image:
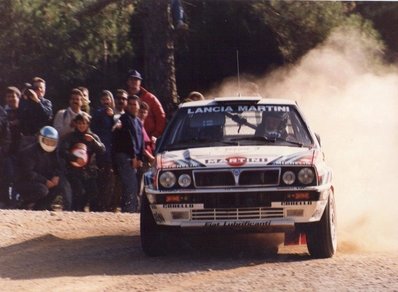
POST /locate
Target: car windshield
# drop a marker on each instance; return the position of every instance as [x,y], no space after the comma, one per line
[240,124]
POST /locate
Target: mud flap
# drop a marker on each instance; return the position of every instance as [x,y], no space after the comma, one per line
[295,238]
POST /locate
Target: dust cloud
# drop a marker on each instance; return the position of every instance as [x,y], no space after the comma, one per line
[350,97]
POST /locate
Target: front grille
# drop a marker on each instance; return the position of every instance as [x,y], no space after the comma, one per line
[237,177]
[214,178]
[259,177]
[237,214]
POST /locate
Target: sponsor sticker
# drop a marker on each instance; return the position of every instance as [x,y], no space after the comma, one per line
[182,206]
[292,163]
[236,161]
[299,203]
[240,108]
[181,163]
[238,224]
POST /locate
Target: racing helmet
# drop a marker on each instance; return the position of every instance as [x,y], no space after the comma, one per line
[48,138]
[273,123]
[79,150]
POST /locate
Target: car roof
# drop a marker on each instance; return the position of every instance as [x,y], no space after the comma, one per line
[259,99]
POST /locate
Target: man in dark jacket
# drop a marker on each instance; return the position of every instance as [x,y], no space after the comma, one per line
[35,111]
[77,149]
[127,149]
[5,140]
[102,125]
[38,172]
[7,188]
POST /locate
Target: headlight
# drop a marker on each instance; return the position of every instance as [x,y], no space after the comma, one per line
[306,176]
[289,177]
[184,180]
[167,179]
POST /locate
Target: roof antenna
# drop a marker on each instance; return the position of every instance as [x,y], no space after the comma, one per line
[237,67]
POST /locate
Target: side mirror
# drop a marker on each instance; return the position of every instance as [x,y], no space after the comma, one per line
[318,138]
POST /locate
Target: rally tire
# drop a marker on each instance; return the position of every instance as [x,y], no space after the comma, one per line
[321,236]
[153,236]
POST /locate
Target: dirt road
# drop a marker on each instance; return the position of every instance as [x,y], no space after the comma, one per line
[65,251]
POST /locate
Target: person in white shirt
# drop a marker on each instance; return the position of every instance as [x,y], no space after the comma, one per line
[64,117]
[120,106]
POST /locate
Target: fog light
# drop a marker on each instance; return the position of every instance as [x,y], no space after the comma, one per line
[180,215]
[306,176]
[299,196]
[289,177]
[173,199]
[295,212]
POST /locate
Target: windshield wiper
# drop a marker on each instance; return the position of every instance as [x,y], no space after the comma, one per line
[254,138]
[196,142]
[289,141]
[267,139]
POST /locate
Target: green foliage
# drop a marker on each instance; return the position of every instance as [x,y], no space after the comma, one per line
[301,25]
[46,38]
[384,15]
[70,43]
[208,53]
[266,34]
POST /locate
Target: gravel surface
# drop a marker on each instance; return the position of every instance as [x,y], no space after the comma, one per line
[68,251]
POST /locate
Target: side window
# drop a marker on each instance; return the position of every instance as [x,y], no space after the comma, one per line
[299,131]
[289,127]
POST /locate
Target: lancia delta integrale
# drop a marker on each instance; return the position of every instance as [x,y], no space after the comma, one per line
[242,164]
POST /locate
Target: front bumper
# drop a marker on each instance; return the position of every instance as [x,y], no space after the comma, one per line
[267,210]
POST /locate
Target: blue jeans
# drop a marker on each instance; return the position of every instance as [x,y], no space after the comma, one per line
[128,178]
[7,175]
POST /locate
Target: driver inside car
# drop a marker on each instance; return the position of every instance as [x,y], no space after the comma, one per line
[273,125]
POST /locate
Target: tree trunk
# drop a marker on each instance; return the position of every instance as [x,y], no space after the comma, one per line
[159,66]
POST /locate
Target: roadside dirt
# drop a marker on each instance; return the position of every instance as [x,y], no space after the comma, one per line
[67,251]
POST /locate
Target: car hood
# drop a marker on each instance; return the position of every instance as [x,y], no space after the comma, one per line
[249,156]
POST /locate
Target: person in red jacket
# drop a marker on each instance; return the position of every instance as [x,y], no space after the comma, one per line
[156,120]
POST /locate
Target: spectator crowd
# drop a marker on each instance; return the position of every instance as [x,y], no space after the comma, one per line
[85,158]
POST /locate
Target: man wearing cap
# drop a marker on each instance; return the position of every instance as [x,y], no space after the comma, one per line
[156,120]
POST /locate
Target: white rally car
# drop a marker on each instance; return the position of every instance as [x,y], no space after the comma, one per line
[243,164]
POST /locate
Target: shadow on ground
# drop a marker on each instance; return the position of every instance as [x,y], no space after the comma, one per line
[49,256]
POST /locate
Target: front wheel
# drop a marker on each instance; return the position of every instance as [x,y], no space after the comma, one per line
[153,236]
[321,236]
